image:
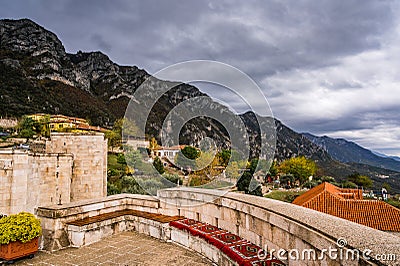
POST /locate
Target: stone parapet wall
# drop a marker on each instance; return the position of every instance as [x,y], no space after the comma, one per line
[89,176]
[28,180]
[279,225]
[265,222]
[54,218]
[68,167]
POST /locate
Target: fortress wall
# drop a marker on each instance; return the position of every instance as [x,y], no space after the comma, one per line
[89,175]
[74,167]
[6,177]
[13,181]
[28,180]
[54,173]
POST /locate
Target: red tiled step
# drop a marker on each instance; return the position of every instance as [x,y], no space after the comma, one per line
[238,249]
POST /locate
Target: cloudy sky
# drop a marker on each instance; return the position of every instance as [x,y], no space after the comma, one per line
[326,67]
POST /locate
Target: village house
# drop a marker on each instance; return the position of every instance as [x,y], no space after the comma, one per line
[168,152]
[66,123]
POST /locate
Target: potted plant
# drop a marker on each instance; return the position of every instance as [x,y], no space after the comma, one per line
[19,234]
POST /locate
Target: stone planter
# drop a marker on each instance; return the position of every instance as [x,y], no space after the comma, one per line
[17,249]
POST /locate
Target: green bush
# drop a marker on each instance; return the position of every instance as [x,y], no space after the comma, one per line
[22,226]
[174,178]
[284,195]
[158,164]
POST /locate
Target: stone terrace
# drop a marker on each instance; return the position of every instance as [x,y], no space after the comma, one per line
[125,249]
[262,221]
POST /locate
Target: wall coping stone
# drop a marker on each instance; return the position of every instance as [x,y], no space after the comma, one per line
[76,208]
[357,236]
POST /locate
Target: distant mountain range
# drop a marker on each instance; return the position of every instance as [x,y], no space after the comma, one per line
[350,152]
[37,75]
[386,156]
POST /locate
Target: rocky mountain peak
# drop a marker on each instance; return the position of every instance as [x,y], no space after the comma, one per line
[26,36]
[37,75]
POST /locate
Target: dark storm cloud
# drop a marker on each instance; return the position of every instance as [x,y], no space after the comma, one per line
[320,63]
[100,42]
[264,37]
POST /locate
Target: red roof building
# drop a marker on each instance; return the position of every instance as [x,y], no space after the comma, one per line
[350,205]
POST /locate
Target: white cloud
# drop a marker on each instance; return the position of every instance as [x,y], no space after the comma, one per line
[354,94]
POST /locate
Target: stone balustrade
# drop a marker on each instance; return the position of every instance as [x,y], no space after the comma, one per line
[54,218]
[279,225]
[268,223]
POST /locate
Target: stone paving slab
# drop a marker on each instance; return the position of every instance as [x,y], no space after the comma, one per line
[124,249]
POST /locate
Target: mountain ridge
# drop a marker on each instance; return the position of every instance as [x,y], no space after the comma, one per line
[350,152]
[38,75]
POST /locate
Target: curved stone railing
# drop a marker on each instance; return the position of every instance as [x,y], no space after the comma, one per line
[281,226]
[54,218]
[271,224]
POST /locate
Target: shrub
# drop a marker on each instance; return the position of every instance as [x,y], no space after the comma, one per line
[174,178]
[121,158]
[19,227]
[158,165]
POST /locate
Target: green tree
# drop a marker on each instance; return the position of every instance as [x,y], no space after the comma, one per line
[190,152]
[133,157]
[153,145]
[186,158]
[257,191]
[112,188]
[243,182]
[236,156]
[273,170]
[121,158]
[224,157]
[348,184]
[208,164]
[253,165]
[157,163]
[326,178]
[249,185]
[129,127]
[232,170]
[174,178]
[114,138]
[386,186]
[42,126]
[26,127]
[360,180]
[130,185]
[287,179]
[300,167]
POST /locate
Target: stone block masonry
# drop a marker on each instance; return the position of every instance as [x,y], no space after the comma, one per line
[267,223]
[73,167]
[89,175]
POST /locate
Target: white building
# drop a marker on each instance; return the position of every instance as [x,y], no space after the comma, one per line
[168,152]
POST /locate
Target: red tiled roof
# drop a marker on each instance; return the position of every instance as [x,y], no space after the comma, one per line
[90,128]
[349,204]
[172,148]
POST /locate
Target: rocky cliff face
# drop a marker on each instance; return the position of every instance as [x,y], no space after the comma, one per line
[34,59]
[37,75]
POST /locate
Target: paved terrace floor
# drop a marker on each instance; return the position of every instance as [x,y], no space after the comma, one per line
[125,249]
